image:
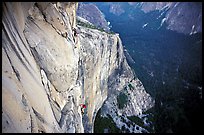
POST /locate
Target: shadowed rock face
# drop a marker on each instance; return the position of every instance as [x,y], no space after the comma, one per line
[47,72]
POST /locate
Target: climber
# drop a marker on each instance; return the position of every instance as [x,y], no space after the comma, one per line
[75,33]
[83,106]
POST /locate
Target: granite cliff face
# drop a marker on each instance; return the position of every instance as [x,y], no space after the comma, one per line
[47,71]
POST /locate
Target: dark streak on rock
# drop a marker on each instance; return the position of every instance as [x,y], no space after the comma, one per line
[24,101]
[39,116]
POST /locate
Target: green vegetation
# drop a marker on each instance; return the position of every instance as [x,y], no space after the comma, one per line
[86,25]
[150,116]
[111,32]
[122,100]
[150,119]
[93,27]
[136,120]
[130,86]
[125,88]
[105,123]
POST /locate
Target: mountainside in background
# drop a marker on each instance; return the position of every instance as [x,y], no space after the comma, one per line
[183,17]
[91,13]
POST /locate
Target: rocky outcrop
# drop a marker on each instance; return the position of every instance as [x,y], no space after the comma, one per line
[138,101]
[48,71]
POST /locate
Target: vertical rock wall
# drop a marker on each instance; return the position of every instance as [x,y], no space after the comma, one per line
[48,72]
